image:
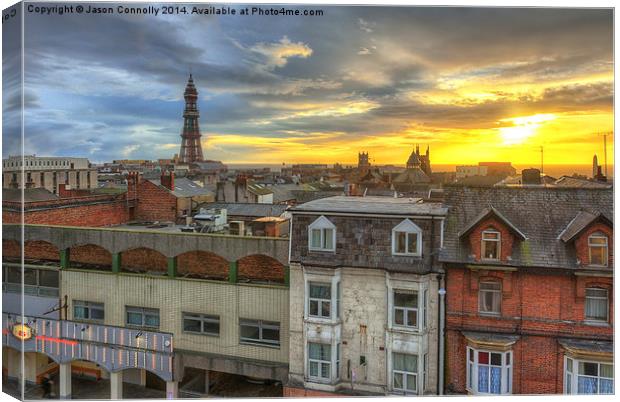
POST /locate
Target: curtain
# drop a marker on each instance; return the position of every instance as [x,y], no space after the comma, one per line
[596,308]
[483,378]
[496,380]
[607,386]
[586,385]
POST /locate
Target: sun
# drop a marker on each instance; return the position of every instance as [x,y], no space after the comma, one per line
[523,127]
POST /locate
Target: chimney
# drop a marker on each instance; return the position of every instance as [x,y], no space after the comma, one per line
[530,176]
[167,180]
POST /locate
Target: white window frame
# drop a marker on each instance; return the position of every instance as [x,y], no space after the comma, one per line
[571,377]
[496,293]
[260,324]
[331,362]
[320,301]
[323,225]
[89,306]
[335,301]
[143,311]
[585,305]
[405,375]
[405,310]
[598,235]
[203,319]
[408,228]
[471,369]
[483,244]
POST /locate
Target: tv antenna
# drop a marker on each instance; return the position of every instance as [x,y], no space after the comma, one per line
[605,134]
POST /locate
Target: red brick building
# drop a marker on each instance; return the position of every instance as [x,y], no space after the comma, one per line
[529,281]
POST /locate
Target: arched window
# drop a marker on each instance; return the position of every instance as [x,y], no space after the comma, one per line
[407,239]
[490,246]
[597,247]
[322,235]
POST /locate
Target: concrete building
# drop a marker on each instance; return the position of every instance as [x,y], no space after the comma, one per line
[529,280]
[364,311]
[145,306]
[48,172]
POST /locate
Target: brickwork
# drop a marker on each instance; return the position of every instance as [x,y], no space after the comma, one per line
[201,264]
[90,255]
[539,307]
[581,243]
[506,238]
[260,267]
[41,250]
[155,203]
[10,249]
[143,260]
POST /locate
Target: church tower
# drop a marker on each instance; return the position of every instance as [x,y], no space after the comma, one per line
[191,149]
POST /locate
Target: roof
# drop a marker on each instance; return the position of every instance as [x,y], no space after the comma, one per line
[480,181]
[490,338]
[487,213]
[372,205]
[567,181]
[258,189]
[412,176]
[540,213]
[248,209]
[585,346]
[184,187]
[30,195]
[579,223]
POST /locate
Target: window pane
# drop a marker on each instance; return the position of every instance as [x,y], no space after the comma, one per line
[593,292]
[598,240]
[490,249]
[411,383]
[412,318]
[151,320]
[325,306]
[79,312]
[598,255]
[496,359]
[483,357]
[596,308]
[314,351]
[490,286]
[588,368]
[607,370]
[399,317]
[329,239]
[211,327]
[490,235]
[412,244]
[134,318]
[320,291]
[271,334]
[14,275]
[314,369]
[48,278]
[325,368]
[30,276]
[401,240]
[191,325]
[586,385]
[250,332]
[406,299]
[96,313]
[398,380]
[316,238]
[314,307]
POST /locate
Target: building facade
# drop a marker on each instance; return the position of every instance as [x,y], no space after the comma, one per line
[363,298]
[48,173]
[529,280]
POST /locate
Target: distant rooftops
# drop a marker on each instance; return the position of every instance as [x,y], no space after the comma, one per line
[373,205]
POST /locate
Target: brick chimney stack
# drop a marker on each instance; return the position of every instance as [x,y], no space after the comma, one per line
[167,180]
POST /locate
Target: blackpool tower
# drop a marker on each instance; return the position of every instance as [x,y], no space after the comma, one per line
[191,150]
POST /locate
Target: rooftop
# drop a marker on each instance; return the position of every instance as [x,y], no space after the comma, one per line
[247,209]
[373,205]
[184,187]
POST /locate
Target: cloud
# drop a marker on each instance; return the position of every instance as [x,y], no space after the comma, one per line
[278,53]
[365,25]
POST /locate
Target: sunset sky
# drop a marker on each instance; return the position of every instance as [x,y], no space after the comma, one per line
[474,84]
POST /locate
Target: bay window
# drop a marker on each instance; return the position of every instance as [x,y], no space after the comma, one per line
[405,372]
[489,372]
[319,362]
[405,308]
[319,301]
[588,377]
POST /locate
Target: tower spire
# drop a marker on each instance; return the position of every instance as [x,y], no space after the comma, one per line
[191,149]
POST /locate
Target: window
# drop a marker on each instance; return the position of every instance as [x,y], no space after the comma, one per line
[319,302]
[586,377]
[83,310]
[491,245]
[490,298]
[425,372]
[406,308]
[596,305]
[37,282]
[142,317]
[405,372]
[407,239]
[201,324]
[322,235]
[597,246]
[259,332]
[424,307]
[489,372]
[319,362]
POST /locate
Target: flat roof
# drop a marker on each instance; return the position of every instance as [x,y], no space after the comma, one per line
[373,205]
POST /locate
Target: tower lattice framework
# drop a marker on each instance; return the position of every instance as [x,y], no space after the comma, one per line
[191,149]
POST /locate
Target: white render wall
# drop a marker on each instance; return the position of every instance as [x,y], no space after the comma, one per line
[363,328]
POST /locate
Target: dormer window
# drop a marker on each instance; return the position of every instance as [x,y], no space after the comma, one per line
[407,239]
[491,245]
[597,246]
[322,235]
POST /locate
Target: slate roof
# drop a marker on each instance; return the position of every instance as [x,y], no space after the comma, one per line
[540,213]
[184,187]
[579,222]
[30,195]
[491,212]
[567,181]
[247,209]
[603,347]
[258,189]
[412,176]
[372,205]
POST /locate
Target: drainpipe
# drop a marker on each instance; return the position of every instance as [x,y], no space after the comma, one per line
[441,336]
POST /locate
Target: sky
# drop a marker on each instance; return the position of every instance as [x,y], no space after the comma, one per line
[474,84]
